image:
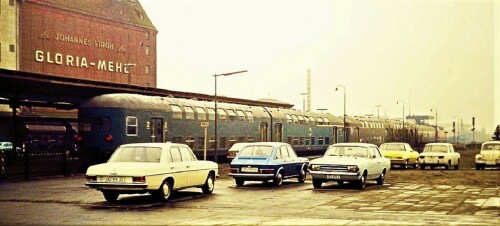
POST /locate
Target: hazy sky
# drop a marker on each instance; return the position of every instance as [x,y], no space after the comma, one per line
[431,54]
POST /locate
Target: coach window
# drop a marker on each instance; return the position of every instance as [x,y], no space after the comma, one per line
[301,141]
[85,124]
[295,119]
[306,119]
[176,112]
[190,142]
[189,112]
[308,140]
[241,139]
[201,143]
[232,140]
[326,121]
[222,114]
[320,140]
[212,143]
[202,115]
[177,139]
[131,126]
[295,141]
[288,118]
[223,142]
[101,124]
[250,139]
[211,114]
[290,140]
[320,121]
[301,119]
[231,114]
[241,115]
[249,116]
[313,141]
[313,121]
[327,140]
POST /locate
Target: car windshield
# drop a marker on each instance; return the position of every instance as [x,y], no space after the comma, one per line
[491,147]
[436,148]
[392,147]
[136,154]
[256,151]
[353,151]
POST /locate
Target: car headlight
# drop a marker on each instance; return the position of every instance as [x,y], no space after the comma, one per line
[314,167]
[352,169]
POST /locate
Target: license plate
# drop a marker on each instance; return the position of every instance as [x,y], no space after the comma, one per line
[110,179]
[249,169]
[335,177]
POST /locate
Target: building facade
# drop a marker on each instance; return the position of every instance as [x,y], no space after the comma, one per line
[97,40]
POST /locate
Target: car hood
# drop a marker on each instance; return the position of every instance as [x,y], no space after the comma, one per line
[490,155]
[123,168]
[338,160]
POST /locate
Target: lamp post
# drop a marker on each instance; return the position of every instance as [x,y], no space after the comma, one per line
[343,129]
[126,71]
[436,135]
[321,109]
[378,110]
[404,133]
[303,101]
[215,100]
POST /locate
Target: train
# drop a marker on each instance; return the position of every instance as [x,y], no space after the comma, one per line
[110,120]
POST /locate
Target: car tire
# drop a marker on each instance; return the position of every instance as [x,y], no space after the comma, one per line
[239,182]
[164,192]
[415,166]
[478,167]
[422,167]
[362,182]
[432,167]
[302,176]
[340,182]
[448,166]
[209,185]
[483,166]
[381,178]
[317,183]
[110,196]
[405,165]
[278,180]
[457,166]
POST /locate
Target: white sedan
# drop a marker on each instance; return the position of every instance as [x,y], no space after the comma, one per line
[439,154]
[353,162]
[155,168]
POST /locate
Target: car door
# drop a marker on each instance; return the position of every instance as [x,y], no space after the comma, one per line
[375,163]
[195,174]
[295,164]
[413,155]
[281,159]
[178,168]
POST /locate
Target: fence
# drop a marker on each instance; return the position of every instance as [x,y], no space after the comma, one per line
[28,164]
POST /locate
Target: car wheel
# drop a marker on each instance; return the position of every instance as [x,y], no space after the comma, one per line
[317,183]
[110,196]
[381,178]
[448,166]
[340,182]
[164,192]
[432,167]
[209,185]
[478,167]
[278,180]
[239,181]
[457,166]
[415,166]
[302,176]
[422,167]
[362,182]
[405,165]
[483,166]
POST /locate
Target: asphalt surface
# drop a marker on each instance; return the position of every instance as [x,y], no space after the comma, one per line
[66,201]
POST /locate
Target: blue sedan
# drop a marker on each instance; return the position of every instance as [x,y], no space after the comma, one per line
[264,161]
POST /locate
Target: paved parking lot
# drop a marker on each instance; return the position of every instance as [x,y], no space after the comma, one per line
[68,201]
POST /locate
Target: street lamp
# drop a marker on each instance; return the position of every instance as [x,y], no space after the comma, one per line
[126,71]
[404,133]
[378,110]
[303,101]
[436,123]
[344,129]
[216,113]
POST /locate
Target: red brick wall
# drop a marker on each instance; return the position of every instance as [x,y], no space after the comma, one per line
[41,52]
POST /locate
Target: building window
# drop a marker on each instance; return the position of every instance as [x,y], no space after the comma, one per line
[147,35]
[12,48]
[147,50]
[147,69]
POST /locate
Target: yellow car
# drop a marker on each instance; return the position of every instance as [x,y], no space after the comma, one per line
[401,154]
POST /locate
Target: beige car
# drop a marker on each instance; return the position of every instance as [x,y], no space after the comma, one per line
[439,154]
[489,155]
[154,168]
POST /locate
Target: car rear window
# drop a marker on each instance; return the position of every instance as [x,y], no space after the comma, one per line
[256,151]
[136,154]
[392,147]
